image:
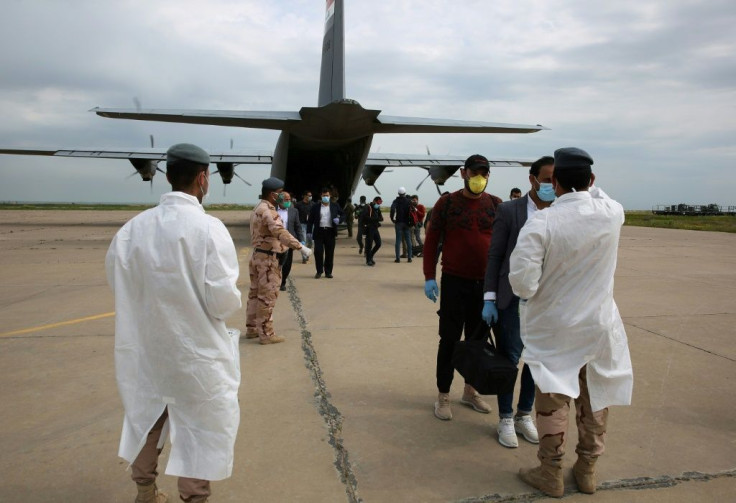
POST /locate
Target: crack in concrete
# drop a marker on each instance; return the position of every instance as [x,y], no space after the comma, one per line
[635,484]
[678,341]
[329,413]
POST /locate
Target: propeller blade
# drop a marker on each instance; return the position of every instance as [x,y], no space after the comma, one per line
[423,180]
[151,185]
[160,170]
[224,190]
[438,189]
[131,175]
[231,143]
[376,189]
[244,180]
[151,137]
[137,103]
[428,152]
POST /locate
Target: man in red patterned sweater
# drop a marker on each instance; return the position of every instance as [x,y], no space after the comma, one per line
[462,221]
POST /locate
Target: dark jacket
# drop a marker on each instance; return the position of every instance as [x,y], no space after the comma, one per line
[371,217]
[313,219]
[510,218]
[400,210]
[303,209]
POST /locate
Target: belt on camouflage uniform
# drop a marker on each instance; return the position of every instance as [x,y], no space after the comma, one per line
[267,252]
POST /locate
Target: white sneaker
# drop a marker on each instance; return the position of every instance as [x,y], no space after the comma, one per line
[525,426]
[442,407]
[506,433]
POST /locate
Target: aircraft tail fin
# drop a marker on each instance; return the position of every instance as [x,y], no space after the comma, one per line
[332,73]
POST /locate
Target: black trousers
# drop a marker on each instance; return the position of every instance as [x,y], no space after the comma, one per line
[372,243]
[286,266]
[324,249]
[461,305]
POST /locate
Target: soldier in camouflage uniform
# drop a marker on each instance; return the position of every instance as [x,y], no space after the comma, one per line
[269,240]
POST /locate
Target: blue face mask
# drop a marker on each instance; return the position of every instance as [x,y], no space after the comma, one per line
[376,205]
[546,192]
[325,199]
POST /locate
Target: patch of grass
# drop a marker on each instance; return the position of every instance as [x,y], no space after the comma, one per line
[109,207]
[715,223]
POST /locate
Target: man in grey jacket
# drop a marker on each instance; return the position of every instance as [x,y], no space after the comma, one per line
[290,216]
[501,306]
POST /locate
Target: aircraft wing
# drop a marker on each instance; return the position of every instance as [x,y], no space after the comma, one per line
[152,154]
[233,118]
[426,161]
[395,124]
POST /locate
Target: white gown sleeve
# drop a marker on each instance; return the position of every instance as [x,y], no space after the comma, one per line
[222,296]
[527,258]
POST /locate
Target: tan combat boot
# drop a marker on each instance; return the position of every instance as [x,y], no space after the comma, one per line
[584,472]
[274,339]
[149,494]
[546,477]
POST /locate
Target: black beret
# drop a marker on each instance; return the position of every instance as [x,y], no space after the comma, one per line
[187,152]
[572,157]
[272,184]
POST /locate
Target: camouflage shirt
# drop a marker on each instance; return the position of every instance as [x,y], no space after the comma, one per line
[267,231]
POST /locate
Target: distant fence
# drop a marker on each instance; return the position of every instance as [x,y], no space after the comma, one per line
[693,209]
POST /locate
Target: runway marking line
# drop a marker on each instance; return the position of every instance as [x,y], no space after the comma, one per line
[59,324]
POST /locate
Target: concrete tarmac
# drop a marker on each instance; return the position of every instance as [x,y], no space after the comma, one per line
[342,411]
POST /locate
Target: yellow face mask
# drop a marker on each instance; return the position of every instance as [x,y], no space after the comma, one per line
[477,184]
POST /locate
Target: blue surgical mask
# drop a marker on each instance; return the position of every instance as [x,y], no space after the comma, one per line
[546,192]
[325,199]
[376,205]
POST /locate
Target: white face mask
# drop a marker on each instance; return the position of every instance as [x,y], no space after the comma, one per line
[205,195]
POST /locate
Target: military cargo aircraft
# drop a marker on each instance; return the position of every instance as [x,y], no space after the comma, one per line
[327,145]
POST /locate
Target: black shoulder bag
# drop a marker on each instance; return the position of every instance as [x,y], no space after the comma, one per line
[482,367]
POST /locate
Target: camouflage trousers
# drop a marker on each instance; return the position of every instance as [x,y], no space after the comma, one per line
[265,280]
[553,411]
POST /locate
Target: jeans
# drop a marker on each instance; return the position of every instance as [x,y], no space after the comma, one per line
[461,305]
[403,230]
[308,242]
[508,343]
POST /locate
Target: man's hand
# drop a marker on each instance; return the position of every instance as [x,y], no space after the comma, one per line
[490,312]
[306,252]
[336,220]
[431,290]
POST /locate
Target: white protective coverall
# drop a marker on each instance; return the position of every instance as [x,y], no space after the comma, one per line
[563,265]
[173,271]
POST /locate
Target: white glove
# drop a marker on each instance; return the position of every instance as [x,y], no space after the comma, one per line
[306,252]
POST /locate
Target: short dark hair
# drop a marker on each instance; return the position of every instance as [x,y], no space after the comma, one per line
[537,165]
[305,193]
[325,189]
[181,173]
[415,197]
[377,198]
[574,178]
[516,190]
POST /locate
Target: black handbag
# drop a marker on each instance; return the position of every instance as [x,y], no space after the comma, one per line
[482,367]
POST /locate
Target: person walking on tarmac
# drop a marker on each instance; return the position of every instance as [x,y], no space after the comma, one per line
[463,221]
[269,240]
[173,271]
[372,218]
[322,226]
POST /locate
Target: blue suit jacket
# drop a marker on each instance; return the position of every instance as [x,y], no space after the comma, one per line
[313,220]
[510,218]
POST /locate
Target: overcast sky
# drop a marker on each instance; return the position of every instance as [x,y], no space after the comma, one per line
[648,88]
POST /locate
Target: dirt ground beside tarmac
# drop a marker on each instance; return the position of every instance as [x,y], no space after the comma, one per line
[342,411]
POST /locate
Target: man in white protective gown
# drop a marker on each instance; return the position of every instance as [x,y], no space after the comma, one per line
[574,340]
[173,271]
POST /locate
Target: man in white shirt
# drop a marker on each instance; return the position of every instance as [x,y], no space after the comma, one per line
[574,340]
[173,270]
